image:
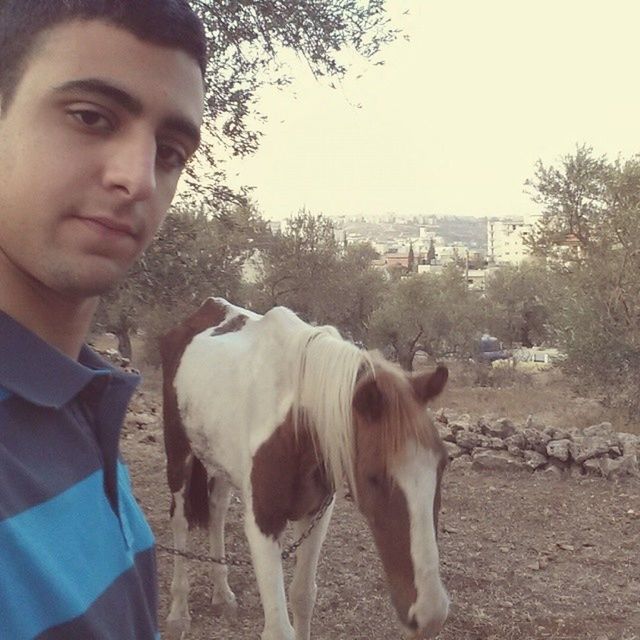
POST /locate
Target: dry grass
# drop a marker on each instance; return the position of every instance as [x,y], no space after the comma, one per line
[547,395]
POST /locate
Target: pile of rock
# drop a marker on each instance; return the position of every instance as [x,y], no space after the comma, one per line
[113,356]
[501,445]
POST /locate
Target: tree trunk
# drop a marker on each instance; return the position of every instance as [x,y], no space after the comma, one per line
[124,342]
[405,358]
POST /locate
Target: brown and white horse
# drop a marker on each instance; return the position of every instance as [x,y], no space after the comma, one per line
[286,413]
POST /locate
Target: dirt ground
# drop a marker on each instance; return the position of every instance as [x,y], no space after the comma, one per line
[523,556]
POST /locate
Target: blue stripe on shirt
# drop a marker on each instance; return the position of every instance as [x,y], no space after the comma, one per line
[4,394]
[53,565]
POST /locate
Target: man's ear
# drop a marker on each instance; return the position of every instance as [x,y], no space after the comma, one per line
[368,400]
[429,385]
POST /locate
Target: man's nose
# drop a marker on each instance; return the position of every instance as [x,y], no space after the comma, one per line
[131,168]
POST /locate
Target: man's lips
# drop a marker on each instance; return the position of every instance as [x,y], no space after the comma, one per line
[109,226]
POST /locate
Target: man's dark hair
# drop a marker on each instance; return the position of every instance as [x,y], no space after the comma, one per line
[168,23]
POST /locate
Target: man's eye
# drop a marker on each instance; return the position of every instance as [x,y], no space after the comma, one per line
[91,119]
[171,157]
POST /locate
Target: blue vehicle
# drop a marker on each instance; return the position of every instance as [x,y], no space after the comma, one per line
[490,350]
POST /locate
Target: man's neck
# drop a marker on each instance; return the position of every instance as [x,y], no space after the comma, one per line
[63,322]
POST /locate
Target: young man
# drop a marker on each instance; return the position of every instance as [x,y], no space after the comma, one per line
[101,102]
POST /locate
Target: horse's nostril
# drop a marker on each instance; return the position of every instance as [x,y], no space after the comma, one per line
[413,624]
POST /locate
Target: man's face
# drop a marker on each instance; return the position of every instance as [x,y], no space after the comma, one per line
[91,149]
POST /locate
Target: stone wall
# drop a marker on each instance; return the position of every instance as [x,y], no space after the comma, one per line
[499,444]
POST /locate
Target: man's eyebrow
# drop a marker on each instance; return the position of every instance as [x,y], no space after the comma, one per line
[105,89]
[131,104]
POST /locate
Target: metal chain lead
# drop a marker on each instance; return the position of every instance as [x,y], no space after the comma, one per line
[230,561]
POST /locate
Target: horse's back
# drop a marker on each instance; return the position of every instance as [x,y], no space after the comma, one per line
[234,386]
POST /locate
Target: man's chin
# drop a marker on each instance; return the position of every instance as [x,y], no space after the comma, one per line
[89,283]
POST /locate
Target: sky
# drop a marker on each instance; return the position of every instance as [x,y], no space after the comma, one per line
[455,120]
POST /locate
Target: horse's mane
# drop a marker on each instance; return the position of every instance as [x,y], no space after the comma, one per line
[326,371]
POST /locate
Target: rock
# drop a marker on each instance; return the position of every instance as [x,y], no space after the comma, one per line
[516,440]
[441,415]
[620,467]
[586,448]
[484,423]
[445,432]
[496,443]
[470,440]
[495,460]
[462,463]
[629,444]
[559,449]
[534,460]
[592,467]
[604,429]
[461,422]
[536,439]
[557,465]
[453,450]
[552,471]
[455,428]
[556,433]
[143,418]
[516,452]
[502,428]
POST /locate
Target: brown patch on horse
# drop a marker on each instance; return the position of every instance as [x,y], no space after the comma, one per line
[288,479]
[182,466]
[231,326]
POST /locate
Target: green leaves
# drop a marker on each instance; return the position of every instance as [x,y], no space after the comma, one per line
[594,290]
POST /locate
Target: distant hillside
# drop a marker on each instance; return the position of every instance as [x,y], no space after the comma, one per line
[471,232]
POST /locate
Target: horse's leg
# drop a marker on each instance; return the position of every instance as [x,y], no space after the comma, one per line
[179,620]
[223,599]
[303,588]
[267,564]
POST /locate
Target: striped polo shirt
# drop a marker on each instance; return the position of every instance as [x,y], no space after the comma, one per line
[77,558]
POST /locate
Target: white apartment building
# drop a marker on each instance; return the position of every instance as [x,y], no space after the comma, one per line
[506,240]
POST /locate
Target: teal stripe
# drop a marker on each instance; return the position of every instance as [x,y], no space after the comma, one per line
[4,394]
[58,557]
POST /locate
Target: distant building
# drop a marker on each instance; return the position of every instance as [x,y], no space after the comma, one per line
[430,268]
[506,240]
[476,279]
[275,226]
[395,260]
[427,232]
[451,253]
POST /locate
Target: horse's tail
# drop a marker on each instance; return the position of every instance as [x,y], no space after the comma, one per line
[196,495]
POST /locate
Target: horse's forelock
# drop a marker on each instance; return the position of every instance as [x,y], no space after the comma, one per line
[402,417]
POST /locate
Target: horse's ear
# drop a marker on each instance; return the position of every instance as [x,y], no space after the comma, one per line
[368,400]
[429,385]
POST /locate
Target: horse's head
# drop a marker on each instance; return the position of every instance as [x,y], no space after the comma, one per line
[399,461]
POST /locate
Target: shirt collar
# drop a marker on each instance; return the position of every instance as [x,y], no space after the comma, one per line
[34,370]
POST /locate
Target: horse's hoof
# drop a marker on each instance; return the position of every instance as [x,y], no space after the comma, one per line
[227,610]
[177,629]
